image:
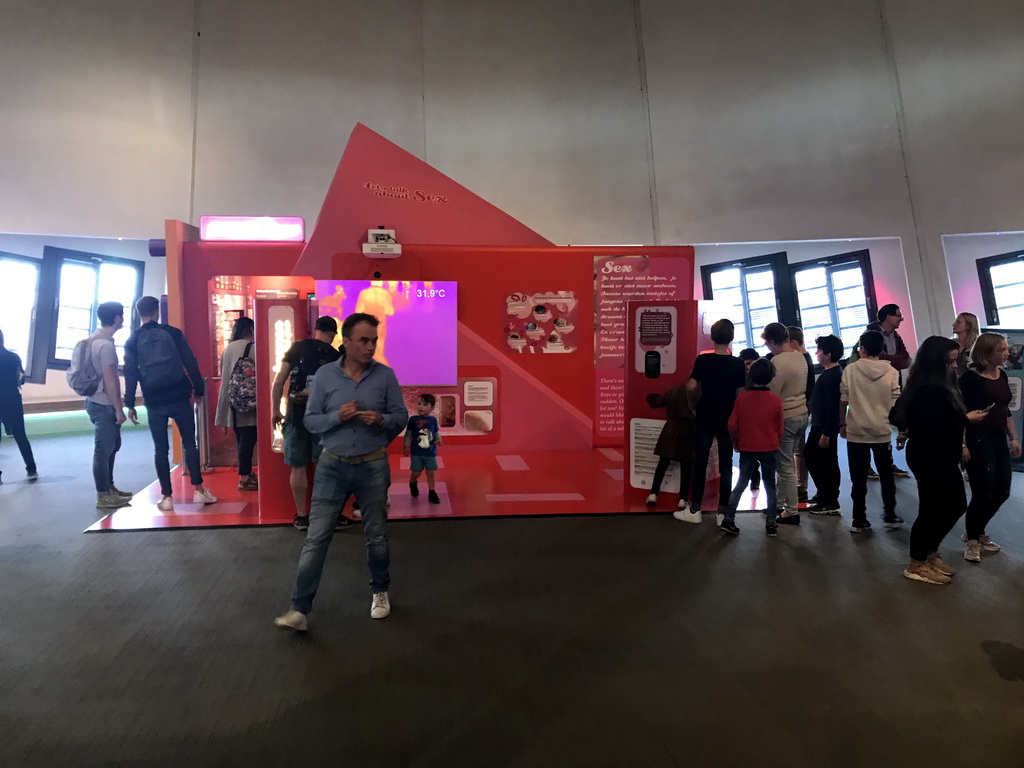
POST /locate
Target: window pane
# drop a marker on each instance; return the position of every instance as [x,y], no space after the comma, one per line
[118,283]
[724,278]
[848,277]
[1007,274]
[76,310]
[810,278]
[19,287]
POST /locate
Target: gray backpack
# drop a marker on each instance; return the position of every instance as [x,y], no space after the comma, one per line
[82,375]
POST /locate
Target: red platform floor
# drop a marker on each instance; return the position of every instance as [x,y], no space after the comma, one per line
[470,485]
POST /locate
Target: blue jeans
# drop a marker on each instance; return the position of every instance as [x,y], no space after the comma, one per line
[748,466]
[793,430]
[106,444]
[185,418]
[333,481]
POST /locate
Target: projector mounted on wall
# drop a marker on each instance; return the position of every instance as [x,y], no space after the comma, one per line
[381,243]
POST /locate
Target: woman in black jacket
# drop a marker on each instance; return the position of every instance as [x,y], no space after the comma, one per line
[931,417]
[986,386]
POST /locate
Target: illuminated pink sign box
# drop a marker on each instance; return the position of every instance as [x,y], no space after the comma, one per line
[278,229]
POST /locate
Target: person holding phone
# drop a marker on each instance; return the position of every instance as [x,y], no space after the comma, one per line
[985,386]
[931,418]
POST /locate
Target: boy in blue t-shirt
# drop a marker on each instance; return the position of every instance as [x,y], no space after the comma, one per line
[422,436]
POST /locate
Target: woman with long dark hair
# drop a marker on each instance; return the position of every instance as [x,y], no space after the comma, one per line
[985,386]
[242,422]
[931,417]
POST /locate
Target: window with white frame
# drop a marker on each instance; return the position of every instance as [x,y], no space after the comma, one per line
[834,296]
[19,296]
[1002,288]
[84,282]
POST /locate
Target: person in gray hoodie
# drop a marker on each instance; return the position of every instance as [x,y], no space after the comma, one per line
[867,392]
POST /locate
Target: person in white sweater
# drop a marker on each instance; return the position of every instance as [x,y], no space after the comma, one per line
[790,384]
[867,392]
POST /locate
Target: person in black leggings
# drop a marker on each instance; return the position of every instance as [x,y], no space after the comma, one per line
[931,418]
[985,386]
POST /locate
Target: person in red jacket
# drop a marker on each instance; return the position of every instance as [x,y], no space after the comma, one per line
[756,427]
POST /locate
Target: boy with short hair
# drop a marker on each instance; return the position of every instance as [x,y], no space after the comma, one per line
[756,428]
[716,378]
[868,390]
[422,436]
[821,451]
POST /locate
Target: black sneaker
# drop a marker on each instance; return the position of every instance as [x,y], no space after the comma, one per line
[860,527]
[433,498]
[897,472]
[788,519]
[771,529]
[343,523]
[892,521]
[301,522]
[414,490]
[824,508]
[729,526]
[872,475]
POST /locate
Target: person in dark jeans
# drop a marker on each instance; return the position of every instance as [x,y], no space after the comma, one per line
[986,387]
[756,427]
[931,418]
[158,357]
[243,423]
[716,379]
[748,356]
[821,452]
[868,391]
[12,413]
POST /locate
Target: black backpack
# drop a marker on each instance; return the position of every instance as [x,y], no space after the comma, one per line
[160,363]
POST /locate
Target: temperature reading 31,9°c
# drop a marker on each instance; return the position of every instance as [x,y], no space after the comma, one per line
[429,293]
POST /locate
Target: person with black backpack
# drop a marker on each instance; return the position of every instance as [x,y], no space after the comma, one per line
[158,357]
[236,401]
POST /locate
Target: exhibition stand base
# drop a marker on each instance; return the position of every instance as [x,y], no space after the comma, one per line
[468,484]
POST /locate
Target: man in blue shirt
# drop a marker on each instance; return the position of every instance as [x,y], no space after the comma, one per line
[356,407]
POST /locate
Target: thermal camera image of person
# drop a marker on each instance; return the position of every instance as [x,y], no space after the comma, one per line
[375,300]
[334,305]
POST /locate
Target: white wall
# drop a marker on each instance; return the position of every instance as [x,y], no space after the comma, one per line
[962,254]
[790,120]
[890,279]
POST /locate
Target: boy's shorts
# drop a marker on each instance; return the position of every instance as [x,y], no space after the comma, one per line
[301,447]
[419,463]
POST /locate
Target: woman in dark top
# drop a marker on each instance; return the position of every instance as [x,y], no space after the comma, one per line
[931,417]
[985,386]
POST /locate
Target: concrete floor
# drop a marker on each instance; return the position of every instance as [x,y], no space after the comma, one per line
[590,641]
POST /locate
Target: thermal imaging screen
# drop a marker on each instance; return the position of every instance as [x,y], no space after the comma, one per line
[418,330]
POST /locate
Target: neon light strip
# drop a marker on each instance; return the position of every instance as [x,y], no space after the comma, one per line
[278,229]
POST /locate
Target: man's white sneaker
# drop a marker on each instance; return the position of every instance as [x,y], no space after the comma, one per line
[719,519]
[652,499]
[687,515]
[166,504]
[380,608]
[203,497]
[292,620]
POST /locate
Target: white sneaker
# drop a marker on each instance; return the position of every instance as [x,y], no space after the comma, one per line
[972,552]
[203,497]
[652,499]
[687,515]
[719,519]
[987,544]
[292,620]
[380,608]
[166,504]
